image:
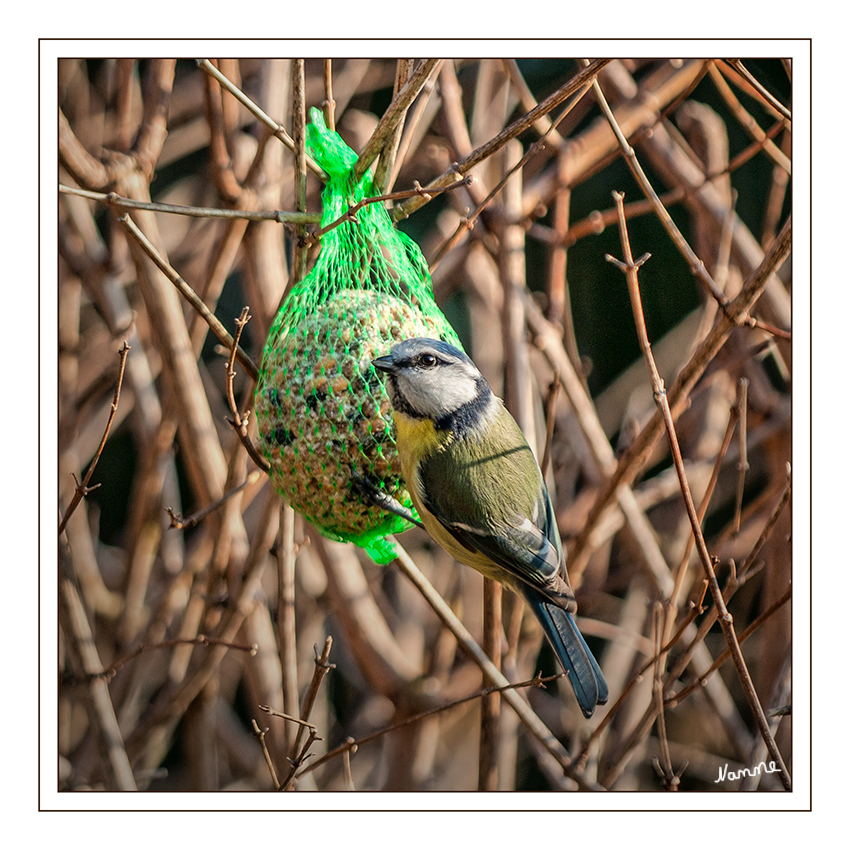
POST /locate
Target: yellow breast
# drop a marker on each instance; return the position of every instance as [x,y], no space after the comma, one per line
[416,439]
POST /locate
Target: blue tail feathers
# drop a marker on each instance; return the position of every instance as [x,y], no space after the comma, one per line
[573,653]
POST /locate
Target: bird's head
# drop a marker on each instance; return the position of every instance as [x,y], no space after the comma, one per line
[430,379]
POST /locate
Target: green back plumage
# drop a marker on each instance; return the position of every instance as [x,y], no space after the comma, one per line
[483,460]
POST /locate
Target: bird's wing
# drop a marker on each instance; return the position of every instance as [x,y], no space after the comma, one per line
[528,547]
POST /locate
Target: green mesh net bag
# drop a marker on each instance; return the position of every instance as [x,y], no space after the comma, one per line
[323,414]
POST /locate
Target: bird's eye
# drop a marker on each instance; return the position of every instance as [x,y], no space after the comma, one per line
[427,360]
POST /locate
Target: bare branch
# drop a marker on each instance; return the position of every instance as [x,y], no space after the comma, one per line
[83,487]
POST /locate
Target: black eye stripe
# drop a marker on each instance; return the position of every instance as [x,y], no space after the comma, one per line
[426,360]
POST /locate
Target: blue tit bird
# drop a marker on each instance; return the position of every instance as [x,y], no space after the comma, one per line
[478,489]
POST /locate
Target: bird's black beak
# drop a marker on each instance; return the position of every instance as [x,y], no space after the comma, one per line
[385,364]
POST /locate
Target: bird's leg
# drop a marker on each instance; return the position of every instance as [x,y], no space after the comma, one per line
[381,499]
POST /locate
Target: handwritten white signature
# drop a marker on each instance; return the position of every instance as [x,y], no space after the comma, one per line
[730,775]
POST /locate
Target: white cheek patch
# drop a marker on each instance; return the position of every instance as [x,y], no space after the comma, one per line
[457,393]
[436,393]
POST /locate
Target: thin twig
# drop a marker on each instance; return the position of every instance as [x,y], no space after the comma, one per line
[769,99]
[240,422]
[776,198]
[300,753]
[630,268]
[724,251]
[110,672]
[190,295]
[260,735]
[551,407]
[417,191]
[783,500]
[273,712]
[287,645]
[488,747]
[321,667]
[220,114]
[682,569]
[351,745]
[277,130]
[743,465]
[328,104]
[696,264]
[780,696]
[468,222]
[527,99]
[290,782]
[699,680]
[180,522]
[665,765]
[113,199]
[83,488]
[747,121]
